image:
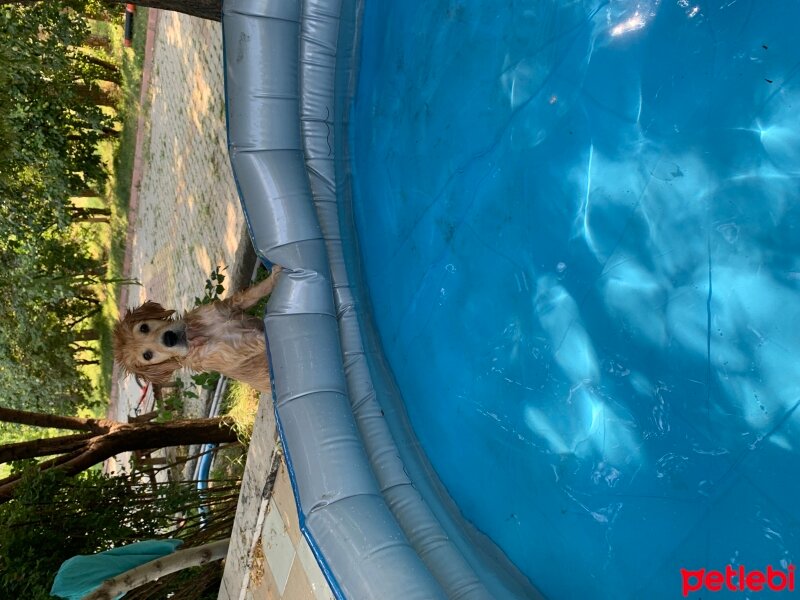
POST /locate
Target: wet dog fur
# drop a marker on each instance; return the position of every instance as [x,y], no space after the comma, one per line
[152,343]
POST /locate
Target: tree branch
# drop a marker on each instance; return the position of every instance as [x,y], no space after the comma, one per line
[44,447]
[156,569]
[22,417]
[204,9]
[10,483]
[125,437]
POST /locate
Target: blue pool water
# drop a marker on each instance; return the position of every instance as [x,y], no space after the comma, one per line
[580,230]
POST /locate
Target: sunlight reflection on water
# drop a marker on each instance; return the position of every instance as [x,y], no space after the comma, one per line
[580,229]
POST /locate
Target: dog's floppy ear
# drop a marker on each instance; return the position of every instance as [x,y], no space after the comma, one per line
[158,372]
[147,311]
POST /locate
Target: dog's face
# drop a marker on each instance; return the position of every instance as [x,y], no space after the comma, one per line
[149,343]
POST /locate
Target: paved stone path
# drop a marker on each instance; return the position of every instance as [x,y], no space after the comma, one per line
[189,214]
[187,219]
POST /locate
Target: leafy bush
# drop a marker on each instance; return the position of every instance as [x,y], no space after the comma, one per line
[54,518]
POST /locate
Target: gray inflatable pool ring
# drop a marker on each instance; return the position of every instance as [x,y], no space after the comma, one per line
[377,519]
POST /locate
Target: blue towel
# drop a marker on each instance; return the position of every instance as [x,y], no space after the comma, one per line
[82,574]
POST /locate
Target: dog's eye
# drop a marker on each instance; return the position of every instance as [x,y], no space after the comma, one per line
[147,355]
[144,328]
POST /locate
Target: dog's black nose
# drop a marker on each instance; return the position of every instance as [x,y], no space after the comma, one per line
[170,338]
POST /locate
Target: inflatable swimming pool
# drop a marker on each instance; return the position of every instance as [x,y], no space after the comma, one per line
[539,324]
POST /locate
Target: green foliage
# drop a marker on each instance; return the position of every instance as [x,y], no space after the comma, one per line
[172,403]
[54,518]
[214,287]
[49,131]
[52,131]
[207,380]
[213,290]
[37,365]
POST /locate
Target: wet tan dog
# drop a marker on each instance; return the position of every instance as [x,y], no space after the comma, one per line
[151,343]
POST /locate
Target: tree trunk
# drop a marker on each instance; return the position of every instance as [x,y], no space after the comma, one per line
[86,335]
[82,349]
[98,41]
[108,132]
[86,192]
[204,9]
[156,569]
[79,212]
[83,214]
[86,363]
[104,220]
[109,439]
[97,95]
[96,308]
[110,70]
[23,417]
[45,447]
